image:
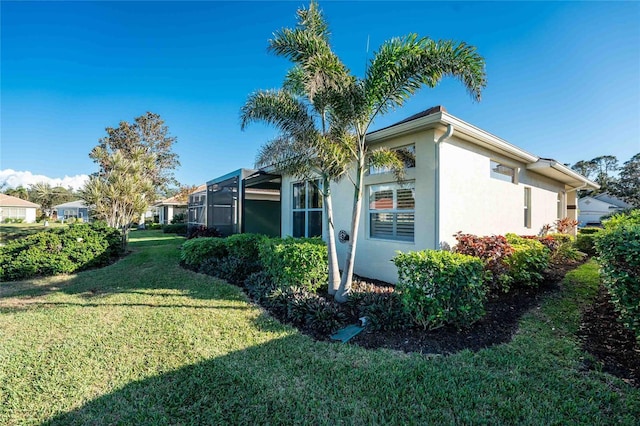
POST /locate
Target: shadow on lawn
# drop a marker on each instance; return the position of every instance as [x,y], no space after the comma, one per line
[151,268]
[239,388]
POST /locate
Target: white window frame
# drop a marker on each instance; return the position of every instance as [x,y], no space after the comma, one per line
[494,164]
[527,207]
[394,186]
[306,209]
[380,170]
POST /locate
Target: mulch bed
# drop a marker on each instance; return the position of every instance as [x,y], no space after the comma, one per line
[498,326]
[614,347]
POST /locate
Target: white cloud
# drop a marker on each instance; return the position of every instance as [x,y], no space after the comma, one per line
[14,178]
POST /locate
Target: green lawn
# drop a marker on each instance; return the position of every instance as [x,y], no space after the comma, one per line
[11,231]
[144,341]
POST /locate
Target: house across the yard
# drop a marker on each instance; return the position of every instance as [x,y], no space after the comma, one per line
[14,208]
[77,209]
[592,208]
[197,207]
[170,207]
[458,178]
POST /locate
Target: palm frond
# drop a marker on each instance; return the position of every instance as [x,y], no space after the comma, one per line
[403,65]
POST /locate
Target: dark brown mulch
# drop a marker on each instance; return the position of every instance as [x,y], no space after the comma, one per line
[614,347]
[498,326]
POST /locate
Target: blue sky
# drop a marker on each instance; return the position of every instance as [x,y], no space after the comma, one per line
[563,78]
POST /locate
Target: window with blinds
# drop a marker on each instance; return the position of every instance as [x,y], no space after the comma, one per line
[392,211]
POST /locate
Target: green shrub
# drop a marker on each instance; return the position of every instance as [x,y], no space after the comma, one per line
[586,242]
[589,231]
[195,252]
[631,217]
[235,270]
[259,286]
[61,250]
[493,251]
[300,262]
[438,287]
[528,261]
[175,228]
[618,248]
[245,246]
[384,311]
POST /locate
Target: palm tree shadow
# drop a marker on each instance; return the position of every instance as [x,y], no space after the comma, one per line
[243,387]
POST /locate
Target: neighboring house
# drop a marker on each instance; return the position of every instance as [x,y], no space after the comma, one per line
[197,207]
[244,200]
[15,208]
[77,209]
[592,208]
[169,208]
[461,178]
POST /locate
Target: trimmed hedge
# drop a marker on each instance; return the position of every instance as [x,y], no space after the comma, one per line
[194,252]
[59,251]
[175,228]
[528,261]
[300,262]
[439,288]
[618,248]
[586,242]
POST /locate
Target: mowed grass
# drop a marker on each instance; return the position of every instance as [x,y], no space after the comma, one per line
[146,342]
[12,231]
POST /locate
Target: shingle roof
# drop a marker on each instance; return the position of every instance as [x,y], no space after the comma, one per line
[77,204]
[10,201]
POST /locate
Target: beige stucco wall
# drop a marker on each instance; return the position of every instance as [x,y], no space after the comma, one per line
[473,202]
[30,215]
[373,256]
[470,201]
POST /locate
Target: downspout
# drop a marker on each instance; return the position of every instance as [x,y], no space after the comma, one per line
[441,139]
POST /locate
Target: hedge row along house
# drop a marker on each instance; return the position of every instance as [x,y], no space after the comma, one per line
[458,178]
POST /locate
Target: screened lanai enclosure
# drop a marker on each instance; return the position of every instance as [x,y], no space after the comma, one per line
[244,201]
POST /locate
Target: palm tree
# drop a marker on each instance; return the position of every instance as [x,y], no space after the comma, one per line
[397,70]
[122,193]
[312,140]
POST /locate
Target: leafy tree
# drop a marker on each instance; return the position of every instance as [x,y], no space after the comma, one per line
[121,193]
[628,185]
[48,196]
[587,169]
[397,70]
[19,192]
[147,133]
[136,163]
[605,166]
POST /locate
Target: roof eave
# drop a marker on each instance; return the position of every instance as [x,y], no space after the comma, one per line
[461,128]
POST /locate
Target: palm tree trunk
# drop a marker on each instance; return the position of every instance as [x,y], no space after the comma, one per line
[347,274]
[334,270]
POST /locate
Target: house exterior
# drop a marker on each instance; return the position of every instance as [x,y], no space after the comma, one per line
[77,209]
[461,178]
[14,208]
[197,207]
[244,200]
[592,208]
[170,207]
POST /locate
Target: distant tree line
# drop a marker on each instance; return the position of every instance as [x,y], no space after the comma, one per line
[620,181]
[44,194]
